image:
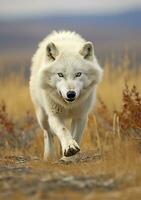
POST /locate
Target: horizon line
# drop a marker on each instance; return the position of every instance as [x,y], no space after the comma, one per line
[75,14]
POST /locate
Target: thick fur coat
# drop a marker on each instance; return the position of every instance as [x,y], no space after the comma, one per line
[64,75]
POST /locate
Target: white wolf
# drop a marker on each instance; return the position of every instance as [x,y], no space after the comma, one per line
[63,81]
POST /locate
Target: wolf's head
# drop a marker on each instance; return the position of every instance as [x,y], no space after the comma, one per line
[70,72]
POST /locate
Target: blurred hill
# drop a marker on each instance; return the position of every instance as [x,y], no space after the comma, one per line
[111,34]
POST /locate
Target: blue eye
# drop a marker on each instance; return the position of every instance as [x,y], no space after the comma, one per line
[60,74]
[78,74]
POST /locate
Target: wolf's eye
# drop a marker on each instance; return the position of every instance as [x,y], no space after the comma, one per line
[60,74]
[78,74]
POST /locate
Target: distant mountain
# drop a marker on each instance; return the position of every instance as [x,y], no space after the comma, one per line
[130,18]
[110,33]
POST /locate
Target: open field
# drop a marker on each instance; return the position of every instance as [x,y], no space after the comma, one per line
[107,168]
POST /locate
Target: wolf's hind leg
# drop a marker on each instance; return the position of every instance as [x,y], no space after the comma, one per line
[48,145]
[48,137]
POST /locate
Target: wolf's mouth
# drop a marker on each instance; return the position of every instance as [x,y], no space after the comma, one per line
[69,100]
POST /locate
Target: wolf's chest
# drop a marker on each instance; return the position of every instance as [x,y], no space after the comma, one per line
[65,112]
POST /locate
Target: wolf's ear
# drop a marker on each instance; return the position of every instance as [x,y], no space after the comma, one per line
[87,51]
[52,51]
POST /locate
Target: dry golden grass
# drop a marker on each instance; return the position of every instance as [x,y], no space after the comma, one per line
[115,76]
[110,155]
[14,91]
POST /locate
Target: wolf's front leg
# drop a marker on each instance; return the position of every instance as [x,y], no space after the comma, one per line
[69,145]
[77,127]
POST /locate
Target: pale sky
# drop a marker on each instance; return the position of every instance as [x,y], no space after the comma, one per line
[9,8]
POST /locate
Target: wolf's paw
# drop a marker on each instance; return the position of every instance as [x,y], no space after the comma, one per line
[69,159]
[71,149]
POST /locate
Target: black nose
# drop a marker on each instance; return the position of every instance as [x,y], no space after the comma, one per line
[71,94]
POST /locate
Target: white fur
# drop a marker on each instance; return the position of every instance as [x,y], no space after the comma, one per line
[49,91]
